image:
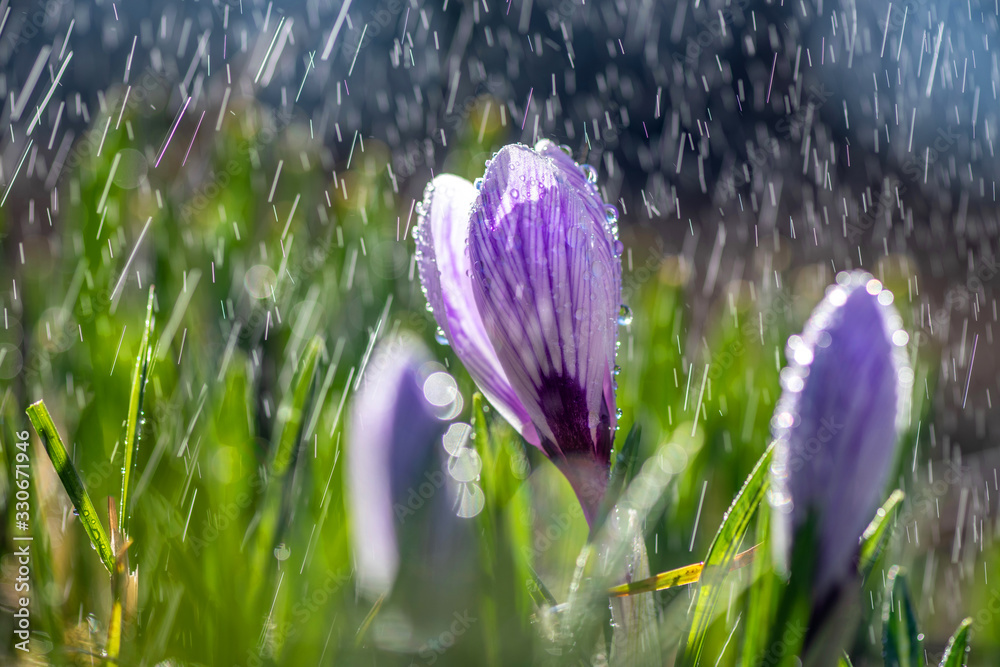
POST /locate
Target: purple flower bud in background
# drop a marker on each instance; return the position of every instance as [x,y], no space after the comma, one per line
[523,274]
[845,401]
[394,459]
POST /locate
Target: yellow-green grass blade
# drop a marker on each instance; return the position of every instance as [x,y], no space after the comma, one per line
[133,423]
[40,418]
[721,553]
[874,538]
[958,645]
[761,597]
[681,576]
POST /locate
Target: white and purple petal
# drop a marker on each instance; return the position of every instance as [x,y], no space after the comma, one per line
[547,281]
[838,422]
[445,270]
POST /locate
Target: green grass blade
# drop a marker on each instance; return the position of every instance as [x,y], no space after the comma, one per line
[762,595]
[874,538]
[845,661]
[291,414]
[723,549]
[133,427]
[958,646]
[901,643]
[42,421]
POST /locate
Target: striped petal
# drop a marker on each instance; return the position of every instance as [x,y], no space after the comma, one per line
[547,281]
[443,260]
[838,422]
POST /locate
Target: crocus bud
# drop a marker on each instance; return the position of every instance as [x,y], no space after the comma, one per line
[394,460]
[523,274]
[844,402]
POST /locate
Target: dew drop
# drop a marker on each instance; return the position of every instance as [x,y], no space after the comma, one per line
[590,173]
[619,413]
[566,149]
[478,183]
[617,370]
[624,316]
[514,194]
[611,214]
[619,247]
[440,337]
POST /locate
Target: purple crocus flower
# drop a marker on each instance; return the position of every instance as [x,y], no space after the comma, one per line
[523,275]
[837,424]
[393,455]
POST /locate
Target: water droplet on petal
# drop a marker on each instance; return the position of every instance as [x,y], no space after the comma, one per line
[566,149]
[478,183]
[440,337]
[590,173]
[619,247]
[611,214]
[617,370]
[514,194]
[624,316]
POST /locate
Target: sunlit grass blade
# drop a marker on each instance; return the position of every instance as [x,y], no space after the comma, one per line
[845,661]
[122,601]
[277,503]
[721,553]
[958,646]
[762,595]
[40,418]
[133,423]
[877,533]
[901,642]
[621,475]
[292,413]
[680,576]
[488,530]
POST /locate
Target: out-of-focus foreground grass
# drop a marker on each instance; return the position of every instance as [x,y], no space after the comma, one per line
[257,242]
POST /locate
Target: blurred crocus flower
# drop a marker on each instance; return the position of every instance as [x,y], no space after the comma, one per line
[395,462]
[523,275]
[845,401]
